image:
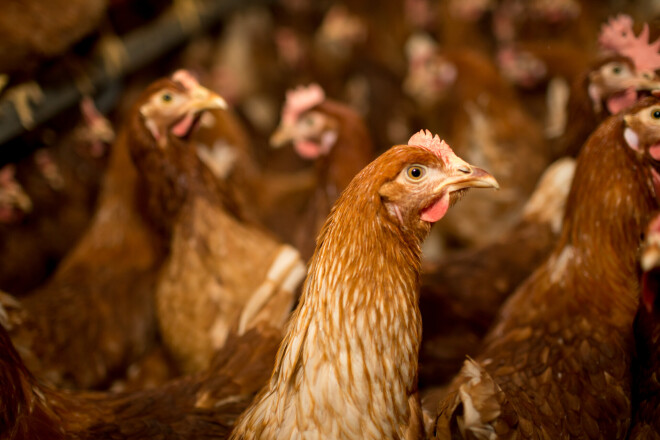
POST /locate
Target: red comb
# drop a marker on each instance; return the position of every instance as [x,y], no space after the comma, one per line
[434,144]
[300,100]
[617,35]
[186,79]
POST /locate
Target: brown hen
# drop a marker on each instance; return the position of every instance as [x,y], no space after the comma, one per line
[613,83]
[461,92]
[347,367]
[62,182]
[461,294]
[557,362]
[223,273]
[336,138]
[646,394]
[34,30]
[203,406]
[110,275]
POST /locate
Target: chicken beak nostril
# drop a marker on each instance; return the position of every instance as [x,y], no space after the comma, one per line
[465,170]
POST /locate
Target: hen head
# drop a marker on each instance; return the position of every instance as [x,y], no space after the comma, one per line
[312,131]
[642,129]
[430,75]
[650,262]
[554,11]
[521,67]
[173,106]
[418,182]
[616,83]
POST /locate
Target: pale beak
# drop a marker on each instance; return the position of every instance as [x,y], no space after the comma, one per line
[204,99]
[651,255]
[281,137]
[468,177]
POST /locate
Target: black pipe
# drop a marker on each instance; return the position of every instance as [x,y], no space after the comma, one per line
[143,46]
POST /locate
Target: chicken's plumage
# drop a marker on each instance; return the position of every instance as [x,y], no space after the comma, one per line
[646,392]
[336,138]
[557,361]
[110,274]
[222,272]
[613,83]
[203,406]
[35,30]
[461,294]
[61,181]
[347,367]
[461,92]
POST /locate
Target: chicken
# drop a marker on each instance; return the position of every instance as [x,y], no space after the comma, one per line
[612,84]
[264,195]
[556,363]
[336,138]
[244,67]
[328,382]
[466,23]
[61,180]
[646,394]
[110,274]
[543,73]
[203,406]
[461,294]
[14,201]
[222,272]
[544,20]
[461,92]
[223,145]
[35,30]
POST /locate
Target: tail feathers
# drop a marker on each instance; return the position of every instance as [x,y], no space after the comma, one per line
[472,410]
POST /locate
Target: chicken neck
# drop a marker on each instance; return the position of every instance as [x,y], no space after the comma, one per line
[348,365]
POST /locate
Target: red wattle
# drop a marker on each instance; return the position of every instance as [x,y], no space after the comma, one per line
[437,210]
[307,149]
[654,151]
[182,127]
[622,100]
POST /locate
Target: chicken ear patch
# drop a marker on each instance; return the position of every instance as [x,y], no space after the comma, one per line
[437,210]
[631,138]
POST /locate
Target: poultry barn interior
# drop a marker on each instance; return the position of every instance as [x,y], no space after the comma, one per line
[260,219]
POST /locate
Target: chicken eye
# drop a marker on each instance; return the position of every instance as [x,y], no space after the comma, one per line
[166,97]
[415,172]
[617,70]
[655,114]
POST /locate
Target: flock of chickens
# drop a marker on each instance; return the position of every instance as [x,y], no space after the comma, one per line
[183,273]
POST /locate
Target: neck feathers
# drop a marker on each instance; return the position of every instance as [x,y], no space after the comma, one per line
[347,367]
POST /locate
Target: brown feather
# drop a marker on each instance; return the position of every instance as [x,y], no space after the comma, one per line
[203,406]
[561,348]
[347,367]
